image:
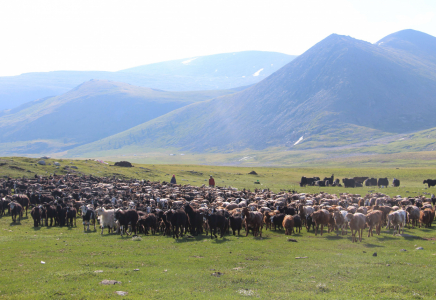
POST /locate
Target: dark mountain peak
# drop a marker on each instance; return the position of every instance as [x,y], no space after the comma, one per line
[412,41]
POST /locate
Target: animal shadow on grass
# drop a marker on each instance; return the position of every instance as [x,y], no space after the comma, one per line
[36,228]
[410,237]
[334,237]
[382,238]
[221,240]
[368,245]
[15,223]
[199,238]
[260,238]
[105,234]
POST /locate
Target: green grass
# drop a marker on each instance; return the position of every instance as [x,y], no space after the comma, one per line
[265,268]
[274,178]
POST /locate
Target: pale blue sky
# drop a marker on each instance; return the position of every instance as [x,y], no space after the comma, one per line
[47,35]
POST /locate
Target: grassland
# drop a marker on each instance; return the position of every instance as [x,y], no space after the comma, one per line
[252,267]
[274,178]
[263,267]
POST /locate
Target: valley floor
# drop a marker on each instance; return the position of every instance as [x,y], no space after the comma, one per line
[66,263]
[160,267]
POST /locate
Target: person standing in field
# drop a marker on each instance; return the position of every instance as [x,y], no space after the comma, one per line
[211,181]
[173,180]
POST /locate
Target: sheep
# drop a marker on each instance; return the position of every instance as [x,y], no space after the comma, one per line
[340,221]
[398,220]
[374,218]
[357,223]
[106,218]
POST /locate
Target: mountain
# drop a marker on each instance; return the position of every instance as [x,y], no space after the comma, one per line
[221,71]
[91,111]
[253,65]
[340,91]
[412,42]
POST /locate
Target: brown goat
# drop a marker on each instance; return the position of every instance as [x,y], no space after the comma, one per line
[253,219]
[425,217]
[288,224]
[320,217]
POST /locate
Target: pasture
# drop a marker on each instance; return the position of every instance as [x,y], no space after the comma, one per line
[186,268]
[274,178]
[160,267]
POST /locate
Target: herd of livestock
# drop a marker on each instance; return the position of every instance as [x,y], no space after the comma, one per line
[133,206]
[352,182]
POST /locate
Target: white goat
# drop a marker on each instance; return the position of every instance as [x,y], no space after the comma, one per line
[106,218]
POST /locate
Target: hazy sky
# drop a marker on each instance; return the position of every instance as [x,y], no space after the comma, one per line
[113,35]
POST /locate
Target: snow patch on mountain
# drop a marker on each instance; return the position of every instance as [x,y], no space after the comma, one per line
[258,72]
[186,62]
[299,140]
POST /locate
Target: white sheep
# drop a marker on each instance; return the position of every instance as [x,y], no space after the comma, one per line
[106,218]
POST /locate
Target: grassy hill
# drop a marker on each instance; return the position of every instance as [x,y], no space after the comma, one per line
[91,111]
[215,72]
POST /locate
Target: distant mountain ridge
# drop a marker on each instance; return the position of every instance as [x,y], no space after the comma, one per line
[179,75]
[243,64]
[340,90]
[91,111]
